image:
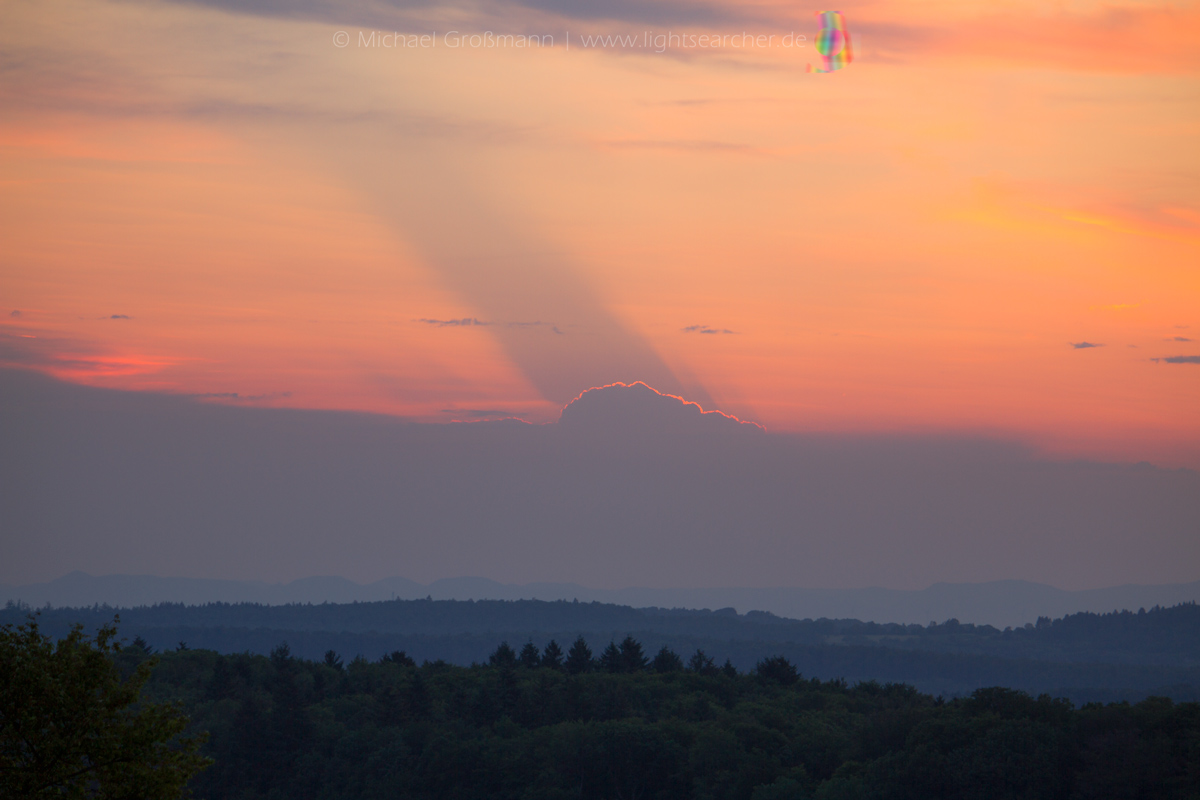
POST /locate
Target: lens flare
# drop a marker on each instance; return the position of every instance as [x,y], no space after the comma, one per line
[833,42]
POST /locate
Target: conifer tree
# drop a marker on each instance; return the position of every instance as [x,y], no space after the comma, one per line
[504,656]
[667,660]
[579,659]
[610,659]
[552,656]
[701,663]
[530,657]
[632,659]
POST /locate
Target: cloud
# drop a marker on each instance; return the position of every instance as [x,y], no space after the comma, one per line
[68,357]
[470,322]
[120,316]
[631,488]
[238,397]
[640,410]
[538,324]
[465,322]
[704,329]
[685,146]
[656,12]
[1084,345]
[1157,38]
[482,413]
[1180,339]
[1181,360]
[14,313]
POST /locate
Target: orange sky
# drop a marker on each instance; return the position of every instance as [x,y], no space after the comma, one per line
[202,202]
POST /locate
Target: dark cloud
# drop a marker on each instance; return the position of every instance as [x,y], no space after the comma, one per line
[465,322]
[481,413]
[1182,360]
[1180,339]
[640,410]
[362,12]
[705,329]
[530,325]
[468,322]
[630,488]
[120,316]
[237,396]
[14,313]
[644,11]
[1084,345]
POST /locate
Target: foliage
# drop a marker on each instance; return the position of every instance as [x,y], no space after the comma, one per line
[778,669]
[302,729]
[70,727]
[701,663]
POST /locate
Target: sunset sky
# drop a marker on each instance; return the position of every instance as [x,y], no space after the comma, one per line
[988,222]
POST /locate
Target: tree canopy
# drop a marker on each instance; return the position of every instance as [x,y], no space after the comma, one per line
[71,726]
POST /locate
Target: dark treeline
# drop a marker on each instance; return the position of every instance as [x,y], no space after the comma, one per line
[567,720]
[1125,655]
[1163,636]
[950,674]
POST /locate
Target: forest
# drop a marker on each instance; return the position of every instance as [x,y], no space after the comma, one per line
[1086,657]
[566,720]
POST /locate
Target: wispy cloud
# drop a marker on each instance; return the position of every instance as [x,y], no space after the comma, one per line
[69,357]
[685,146]
[14,313]
[1084,345]
[1180,359]
[465,322]
[364,12]
[705,329]
[120,316]
[471,322]
[239,397]
[1153,38]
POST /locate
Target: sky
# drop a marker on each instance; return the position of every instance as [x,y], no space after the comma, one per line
[988,222]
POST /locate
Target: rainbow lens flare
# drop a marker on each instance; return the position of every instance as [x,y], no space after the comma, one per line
[833,42]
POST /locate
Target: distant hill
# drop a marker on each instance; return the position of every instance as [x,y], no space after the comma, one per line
[998,603]
[1086,656]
